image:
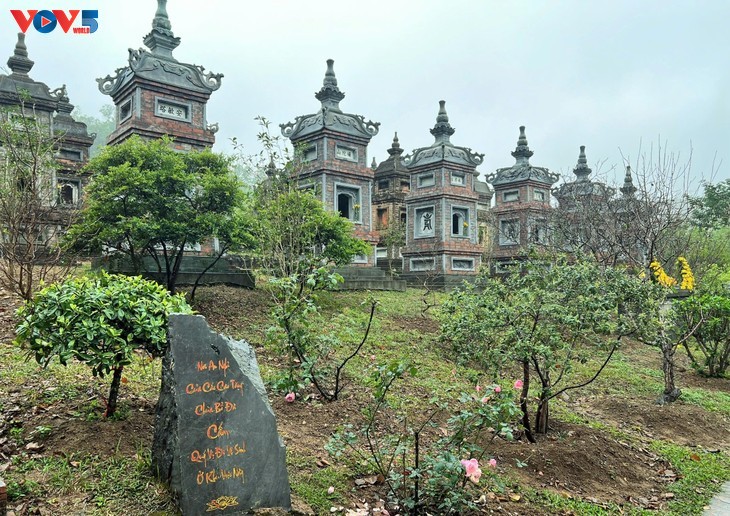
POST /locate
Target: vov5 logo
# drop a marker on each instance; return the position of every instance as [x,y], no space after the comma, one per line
[46,21]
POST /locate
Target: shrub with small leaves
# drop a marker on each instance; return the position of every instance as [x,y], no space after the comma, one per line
[427,466]
[707,319]
[99,320]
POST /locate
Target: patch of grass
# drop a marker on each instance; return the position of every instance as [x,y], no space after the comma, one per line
[712,401]
[311,483]
[142,375]
[622,376]
[21,488]
[701,476]
[42,432]
[115,485]
[61,393]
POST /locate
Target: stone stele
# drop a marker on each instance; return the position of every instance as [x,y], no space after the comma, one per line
[215,440]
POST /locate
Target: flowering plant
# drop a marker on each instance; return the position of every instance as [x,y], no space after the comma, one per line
[432,467]
[688,279]
[661,277]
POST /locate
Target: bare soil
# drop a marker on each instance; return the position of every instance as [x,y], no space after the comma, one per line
[573,460]
[682,423]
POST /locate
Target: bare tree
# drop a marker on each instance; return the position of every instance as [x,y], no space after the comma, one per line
[30,222]
[633,223]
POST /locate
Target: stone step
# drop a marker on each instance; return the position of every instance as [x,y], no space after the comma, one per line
[720,504]
[362,272]
[368,284]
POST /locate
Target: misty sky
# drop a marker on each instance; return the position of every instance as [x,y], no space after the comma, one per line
[608,75]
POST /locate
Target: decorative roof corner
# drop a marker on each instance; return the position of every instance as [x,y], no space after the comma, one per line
[63,123]
[158,64]
[330,115]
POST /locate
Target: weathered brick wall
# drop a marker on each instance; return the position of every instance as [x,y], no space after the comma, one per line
[443,195]
[188,135]
[525,210]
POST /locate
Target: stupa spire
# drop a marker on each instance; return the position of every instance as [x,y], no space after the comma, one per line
[161,40]
[581,170]
[522,152]
[330,94]
[442,131]
[19,62]
[628,189]
[395,149]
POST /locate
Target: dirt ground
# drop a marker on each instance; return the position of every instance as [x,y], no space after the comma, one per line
[573,460]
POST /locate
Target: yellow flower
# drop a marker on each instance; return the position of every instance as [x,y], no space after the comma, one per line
[661,277]
[688,279]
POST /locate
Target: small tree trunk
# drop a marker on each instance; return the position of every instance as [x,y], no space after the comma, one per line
[523,401]
[671,392]
[543,413]
[200,276]
[111,406]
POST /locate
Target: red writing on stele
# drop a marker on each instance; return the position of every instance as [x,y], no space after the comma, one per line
[219,452]
[214,365]
[214,475]
[221,386]
[215,408]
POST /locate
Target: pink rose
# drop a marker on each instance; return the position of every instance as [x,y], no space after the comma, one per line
[290,397]
[472,469]
[492,463]
[498,389]
[478,388]
[518,384]
[485,399]
[372,358]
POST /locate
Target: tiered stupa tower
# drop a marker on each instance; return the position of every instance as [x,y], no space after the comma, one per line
[157,95]
[51,110]
[441,236]
[583,189]
[332,149]
[522,206]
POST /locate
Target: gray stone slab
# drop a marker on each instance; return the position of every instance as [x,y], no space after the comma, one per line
[215,439]
[720,504]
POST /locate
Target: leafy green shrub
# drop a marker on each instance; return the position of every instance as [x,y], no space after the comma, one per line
[709,317]
[100,320]
[423,466]
[310,350]
[546,317]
